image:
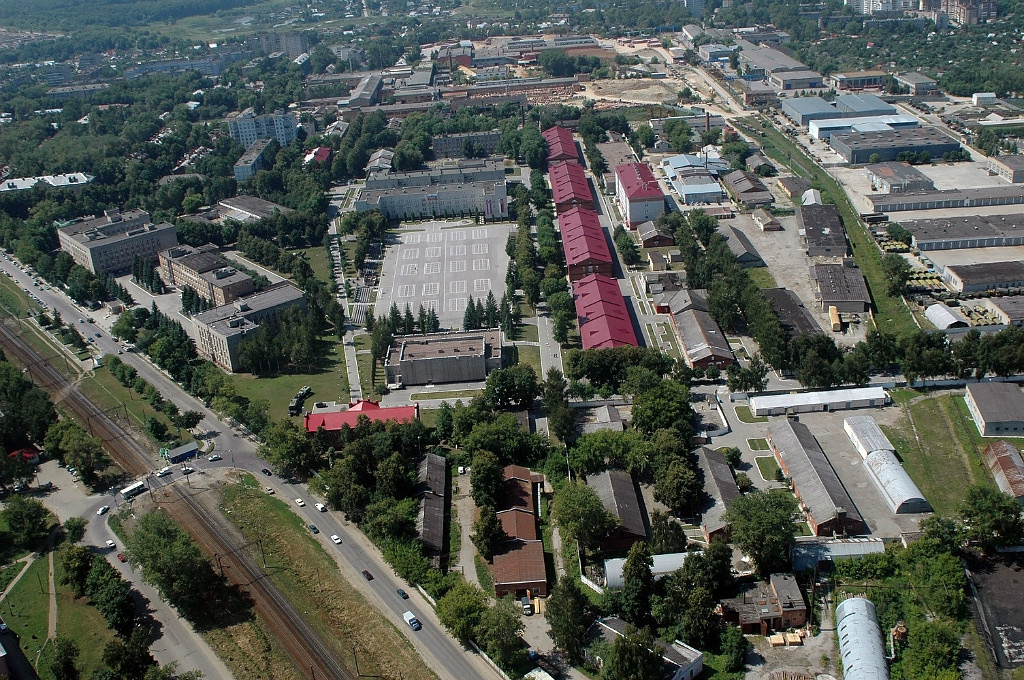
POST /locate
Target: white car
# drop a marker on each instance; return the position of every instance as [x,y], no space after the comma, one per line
[299,502]
[336,539]
[321,507]
[103,510]
[111,544]
[214,458]
[270,490]
[163,472]
[186,470]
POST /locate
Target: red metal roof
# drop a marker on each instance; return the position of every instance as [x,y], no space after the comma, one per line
[561,146]
[569,184]
[334,420]
[322,154]
[638,181]
[604,319]
[583,238]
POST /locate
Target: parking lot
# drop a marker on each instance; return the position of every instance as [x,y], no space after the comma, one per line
[443,265]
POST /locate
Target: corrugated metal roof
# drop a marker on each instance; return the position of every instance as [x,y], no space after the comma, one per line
[827,397]
[860,641]
[809,551]
[618,495]
[719,484]
[942,317]
[661,565]
[898,489]
[813,476]
[866,435]
[998,402]
[1004,460]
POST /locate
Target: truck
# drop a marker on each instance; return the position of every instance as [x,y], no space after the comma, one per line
[527,606]
[411,619]
[543,663]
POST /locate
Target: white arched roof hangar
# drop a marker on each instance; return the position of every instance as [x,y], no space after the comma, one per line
[860,641]
[898,489]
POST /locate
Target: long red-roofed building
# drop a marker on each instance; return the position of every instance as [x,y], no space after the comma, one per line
[333,421]
[638,193]
[604,319]
[569,187]
[583,239]
[561,145]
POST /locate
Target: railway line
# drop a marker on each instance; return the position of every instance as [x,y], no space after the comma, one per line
[310,654]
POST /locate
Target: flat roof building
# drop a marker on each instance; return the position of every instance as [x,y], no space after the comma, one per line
[857,80]
[72,180]
[918,83]
[443,357]
[841,287]
[204,272]
[603,316]
[696,186]
[1009,167]
[1007,468]
[898,178]
[822,230]
[778,605]
[244,208]
[863,105]
[966,231]
[796,80]
[111,243]
[802,110]
[487,199]
[246,127]
[827,400]
[455,145]
[252,161]
[825,128]
[997,408]
[862,147]
[1009,309]
[830,510]
[948,198]
[973,278]
[221,331]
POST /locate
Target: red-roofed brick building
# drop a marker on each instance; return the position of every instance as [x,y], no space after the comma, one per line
[569,187]
[333,421]
[603,317]
[585,245]
[29,454]
[520,569]
[561,145]
[321,154]
[638,193]
[518,523]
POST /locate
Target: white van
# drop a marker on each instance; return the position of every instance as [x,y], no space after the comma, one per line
[321,507]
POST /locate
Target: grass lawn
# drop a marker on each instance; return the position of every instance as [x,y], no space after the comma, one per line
[8,573]
[310,578]
[451,394]
[714,665]
[364,362]
[80,621]
[14,299]
[428,416]
[758,444]
[528,332]
[26,608]
[530,355]
[941,450]
[329,383]
[746,416]
[316,256]
[8,553]
[762,276]
[767,466]
[890,312]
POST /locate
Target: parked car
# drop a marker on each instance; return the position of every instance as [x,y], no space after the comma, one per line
[111,544]
[320,507]
[121,557]
[270,490]
[214,458]
[164,471]
[267,472]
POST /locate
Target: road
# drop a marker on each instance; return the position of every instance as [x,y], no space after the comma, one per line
[450,659]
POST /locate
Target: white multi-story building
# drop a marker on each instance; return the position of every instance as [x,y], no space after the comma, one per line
[247,127]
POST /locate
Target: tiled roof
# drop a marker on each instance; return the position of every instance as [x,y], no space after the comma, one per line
[583,238]
[638,181]
[569,184]
[371,409]
[561,145]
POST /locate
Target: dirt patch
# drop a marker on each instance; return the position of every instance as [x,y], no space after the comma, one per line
[643,90]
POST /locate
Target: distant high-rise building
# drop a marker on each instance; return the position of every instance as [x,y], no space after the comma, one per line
[247,127]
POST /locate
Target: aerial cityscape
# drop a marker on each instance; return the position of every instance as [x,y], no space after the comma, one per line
[481,339]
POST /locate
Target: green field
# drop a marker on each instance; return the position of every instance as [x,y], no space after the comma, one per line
[364,362]
[767,466]
[762,276]
[316,256]
[451,395]
[329,383]
[758,444]
[14,300]
[941,449]
[26,608]
[530,355]
[82,622]
[528,333]
[746,416]
[890,313]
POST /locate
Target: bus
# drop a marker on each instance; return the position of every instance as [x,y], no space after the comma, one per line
[130,492]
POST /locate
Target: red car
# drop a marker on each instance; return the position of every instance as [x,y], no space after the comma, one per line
[121,557]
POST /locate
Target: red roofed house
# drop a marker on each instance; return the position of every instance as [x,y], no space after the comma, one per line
[583,239]
[29,454]
[561,145]
[333,421]
[604,319]
[638,193]
[569,187]
[519,569]
[321,154]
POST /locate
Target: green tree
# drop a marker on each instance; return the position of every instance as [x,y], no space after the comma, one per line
[632,657]
[487,480]
[130,659]
[115,602]
[498,632]
[990,518]
[761,524]
[932,650]
[637,584]
[734,648]
[897,274]
[567,616]
[678,487]
[580,514]
[460,610]
[665,406]
[78,562]
[512,387]
[74,528]
[699,622]
[27,520]
[488,535]
[733,456]
[64,662]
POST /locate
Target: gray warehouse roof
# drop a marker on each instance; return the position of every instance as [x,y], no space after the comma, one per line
[720,485]
[898,489]
[812,474]
[618,495]
[866,435]
[860,641]
[998,402]
[810,551]
[806,105]
[988,273]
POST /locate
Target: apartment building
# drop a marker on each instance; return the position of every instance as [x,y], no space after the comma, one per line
[247,127]
[205,273]
[109,244]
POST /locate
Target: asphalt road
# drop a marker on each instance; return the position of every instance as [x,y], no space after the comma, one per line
[447,657]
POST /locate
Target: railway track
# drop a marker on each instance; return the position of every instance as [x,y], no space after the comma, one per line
[310,654]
